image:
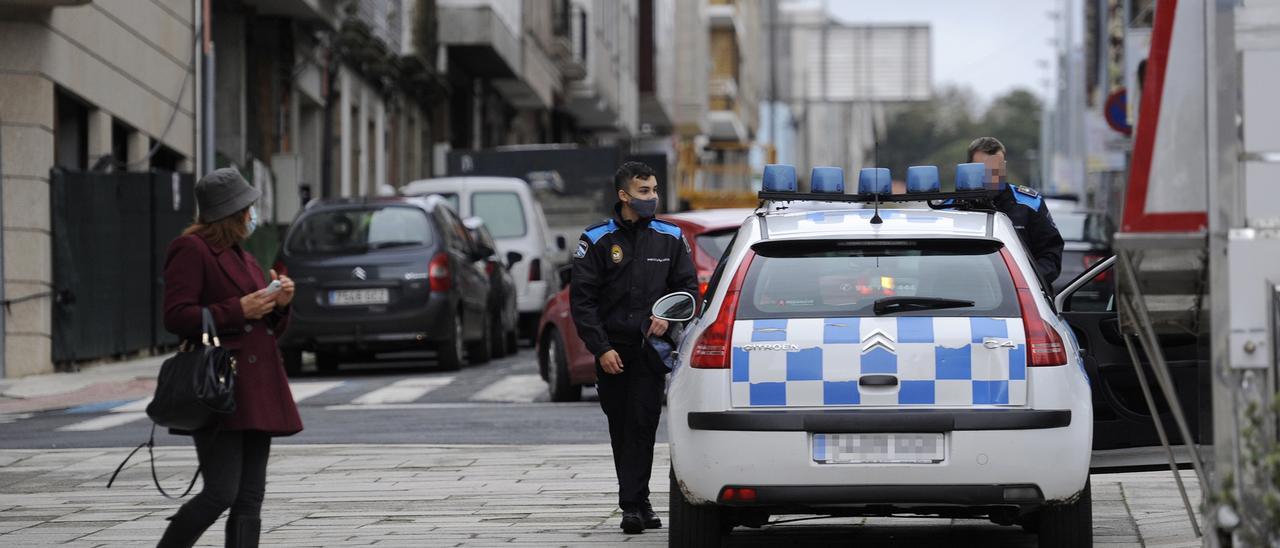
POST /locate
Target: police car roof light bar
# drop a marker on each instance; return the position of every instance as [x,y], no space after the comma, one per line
[875,186]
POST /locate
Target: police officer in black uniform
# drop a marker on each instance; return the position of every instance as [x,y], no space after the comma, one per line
[620,268]
[1024,206]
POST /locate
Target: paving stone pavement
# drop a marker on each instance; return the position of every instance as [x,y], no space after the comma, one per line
[458,495]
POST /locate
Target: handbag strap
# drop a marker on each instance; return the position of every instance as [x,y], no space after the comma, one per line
[150,445]
[208,328]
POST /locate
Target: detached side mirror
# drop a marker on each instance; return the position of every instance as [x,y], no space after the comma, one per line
[560,243]
[513,257]
[675,307]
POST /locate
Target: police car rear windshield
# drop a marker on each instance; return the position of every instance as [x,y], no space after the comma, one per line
[845,278]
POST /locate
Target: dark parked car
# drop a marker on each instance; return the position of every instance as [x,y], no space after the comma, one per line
[1085,235]
[504,319]
[384,275]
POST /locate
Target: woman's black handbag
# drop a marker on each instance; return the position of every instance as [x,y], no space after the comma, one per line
[196,387]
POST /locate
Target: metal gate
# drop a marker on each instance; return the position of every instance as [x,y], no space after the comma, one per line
[110,232]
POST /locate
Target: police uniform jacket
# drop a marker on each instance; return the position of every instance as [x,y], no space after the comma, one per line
[1026,208]
[620,269]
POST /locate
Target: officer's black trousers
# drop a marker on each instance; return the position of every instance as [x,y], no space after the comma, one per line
[632,400]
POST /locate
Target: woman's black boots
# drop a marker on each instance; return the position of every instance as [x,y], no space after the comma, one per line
[243,531]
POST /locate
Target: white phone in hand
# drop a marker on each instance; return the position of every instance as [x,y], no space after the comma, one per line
[273,287]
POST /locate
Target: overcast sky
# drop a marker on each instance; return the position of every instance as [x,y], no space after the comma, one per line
[991,46]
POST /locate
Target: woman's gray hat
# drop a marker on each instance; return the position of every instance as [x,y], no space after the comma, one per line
[222,193]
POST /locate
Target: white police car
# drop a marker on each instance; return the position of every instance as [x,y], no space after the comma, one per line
[868,362]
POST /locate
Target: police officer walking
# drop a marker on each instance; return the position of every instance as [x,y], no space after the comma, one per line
[620,268]
[1024,206]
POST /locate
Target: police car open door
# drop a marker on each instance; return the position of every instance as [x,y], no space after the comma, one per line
[1124,434]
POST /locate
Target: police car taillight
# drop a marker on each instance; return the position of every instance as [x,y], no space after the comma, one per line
[713,348]
[1044,345]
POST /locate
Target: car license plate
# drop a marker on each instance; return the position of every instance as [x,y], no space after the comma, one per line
[877,448]
[350,297]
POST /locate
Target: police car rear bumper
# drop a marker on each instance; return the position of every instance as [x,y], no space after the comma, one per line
[862,421]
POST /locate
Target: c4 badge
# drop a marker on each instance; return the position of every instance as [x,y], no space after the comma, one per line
[615,253]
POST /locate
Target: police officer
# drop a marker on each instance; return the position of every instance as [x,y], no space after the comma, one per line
[1024,207]
[620,268]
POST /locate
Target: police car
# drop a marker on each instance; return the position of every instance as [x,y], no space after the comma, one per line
[878,362]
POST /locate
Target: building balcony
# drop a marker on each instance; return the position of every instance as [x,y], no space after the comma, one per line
[484,39]
[721,15]
[725,124]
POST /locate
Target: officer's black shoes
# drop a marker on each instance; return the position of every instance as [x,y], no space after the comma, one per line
[632,523]
[650,518]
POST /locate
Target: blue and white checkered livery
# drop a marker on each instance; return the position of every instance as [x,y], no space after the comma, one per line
[938,361]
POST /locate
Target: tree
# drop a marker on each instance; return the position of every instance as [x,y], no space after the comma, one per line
[938,132]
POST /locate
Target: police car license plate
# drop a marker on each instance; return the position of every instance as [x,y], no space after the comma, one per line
[351,297]
[878,448]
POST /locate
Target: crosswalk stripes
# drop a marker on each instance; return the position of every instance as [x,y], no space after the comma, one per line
[136,410]
[405,390]
[514,388]
[528,389]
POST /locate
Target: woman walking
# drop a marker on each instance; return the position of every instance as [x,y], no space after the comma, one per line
[207,268]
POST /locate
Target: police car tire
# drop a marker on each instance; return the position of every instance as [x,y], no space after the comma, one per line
[1068,525]
[557,363]
[693,526]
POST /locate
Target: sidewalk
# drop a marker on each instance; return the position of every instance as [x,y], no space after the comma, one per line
[103,382]
[432,495]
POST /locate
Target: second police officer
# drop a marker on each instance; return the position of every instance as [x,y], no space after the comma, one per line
[1024,206]
[620,268]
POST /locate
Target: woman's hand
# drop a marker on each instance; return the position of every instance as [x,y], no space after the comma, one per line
[257,304]
[285,295]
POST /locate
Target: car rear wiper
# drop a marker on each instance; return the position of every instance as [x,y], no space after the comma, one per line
[888,305]
[393,243]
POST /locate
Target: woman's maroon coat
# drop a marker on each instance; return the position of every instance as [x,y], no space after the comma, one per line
[198,274]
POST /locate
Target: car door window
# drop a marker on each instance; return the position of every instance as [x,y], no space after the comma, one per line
[1093,291]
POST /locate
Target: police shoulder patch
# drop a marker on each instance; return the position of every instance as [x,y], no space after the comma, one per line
[581,251]
[1026,190]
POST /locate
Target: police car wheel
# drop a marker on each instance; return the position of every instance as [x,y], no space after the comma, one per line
[1068,525]
[558,370]
[694,526]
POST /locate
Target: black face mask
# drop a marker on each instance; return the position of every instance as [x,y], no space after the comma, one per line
[646,209]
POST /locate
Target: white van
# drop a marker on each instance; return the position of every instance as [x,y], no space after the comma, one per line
[515,218]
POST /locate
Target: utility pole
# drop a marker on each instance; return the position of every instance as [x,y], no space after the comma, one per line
[207,152]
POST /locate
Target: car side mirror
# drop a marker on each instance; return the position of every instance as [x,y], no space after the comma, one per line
[675,307]
[560,243]
[566,274]
[513,257]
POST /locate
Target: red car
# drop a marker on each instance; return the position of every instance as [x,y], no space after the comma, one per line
[564,361]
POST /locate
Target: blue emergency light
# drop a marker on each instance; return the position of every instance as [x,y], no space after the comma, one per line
[923,179]
[875,180]
[971,176]
[779,178]
[827,180]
